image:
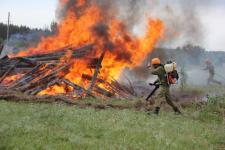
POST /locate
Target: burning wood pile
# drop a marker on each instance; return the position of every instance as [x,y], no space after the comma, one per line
[33,74]
[81,69]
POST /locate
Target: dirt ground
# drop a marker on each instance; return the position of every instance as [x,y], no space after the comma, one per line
[183,100]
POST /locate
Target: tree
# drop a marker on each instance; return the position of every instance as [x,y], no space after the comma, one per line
[53,27]
[1,40]
[1,45]
[13,29]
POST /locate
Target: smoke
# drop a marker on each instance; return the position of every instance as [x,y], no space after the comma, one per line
[101,31]
[181,18]
[131,12]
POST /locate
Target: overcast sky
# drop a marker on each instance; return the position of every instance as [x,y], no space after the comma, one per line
[213,19]
[39,12]
[42,12]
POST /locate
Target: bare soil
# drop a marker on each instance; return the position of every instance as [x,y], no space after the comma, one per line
[184,100]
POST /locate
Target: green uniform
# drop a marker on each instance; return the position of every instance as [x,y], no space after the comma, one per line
[164,91]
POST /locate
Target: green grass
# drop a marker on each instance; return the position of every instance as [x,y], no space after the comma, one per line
[124,103]
[28,126]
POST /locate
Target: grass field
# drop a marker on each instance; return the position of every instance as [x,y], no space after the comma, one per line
[27,126]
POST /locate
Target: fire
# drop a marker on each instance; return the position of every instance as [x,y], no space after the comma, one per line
[78,29]
[11,78]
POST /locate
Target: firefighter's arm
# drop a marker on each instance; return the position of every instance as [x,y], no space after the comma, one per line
[155,71]
[156,81]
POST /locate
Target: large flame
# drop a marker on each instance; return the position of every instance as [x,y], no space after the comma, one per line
[76,30]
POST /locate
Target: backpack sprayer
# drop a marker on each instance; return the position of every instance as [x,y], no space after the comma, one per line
[171,72]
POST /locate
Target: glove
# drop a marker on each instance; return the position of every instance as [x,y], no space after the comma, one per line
[156,82]
[151,84]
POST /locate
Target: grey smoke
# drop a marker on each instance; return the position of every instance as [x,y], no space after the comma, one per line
[182,21]
[183,24]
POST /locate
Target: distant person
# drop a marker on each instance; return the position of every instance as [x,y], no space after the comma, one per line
[211,69]
[158,69]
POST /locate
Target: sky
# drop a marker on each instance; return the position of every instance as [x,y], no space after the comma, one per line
[214,27]
[42,12]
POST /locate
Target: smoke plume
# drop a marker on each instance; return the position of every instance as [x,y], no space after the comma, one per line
[181,18]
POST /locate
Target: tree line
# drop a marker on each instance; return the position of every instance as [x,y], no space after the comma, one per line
[14,29]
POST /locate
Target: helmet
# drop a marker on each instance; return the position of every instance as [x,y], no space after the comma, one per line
[155,61]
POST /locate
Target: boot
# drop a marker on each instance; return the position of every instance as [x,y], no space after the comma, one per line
[157,109]
[177,111]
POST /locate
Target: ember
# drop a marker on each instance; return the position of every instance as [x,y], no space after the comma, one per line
[85,56]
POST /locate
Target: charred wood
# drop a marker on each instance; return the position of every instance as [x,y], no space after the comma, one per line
[9,70]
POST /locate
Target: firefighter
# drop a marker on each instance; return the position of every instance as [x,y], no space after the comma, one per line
[211,69]
[164,91]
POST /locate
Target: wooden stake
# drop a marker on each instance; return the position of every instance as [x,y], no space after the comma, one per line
[94,78]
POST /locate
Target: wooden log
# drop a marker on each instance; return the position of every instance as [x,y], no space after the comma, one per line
[103,91]
[118,85]
[23,61]
[117,92]
[45,78]
[114,87]
[35,88]
[77,89]
[93,63]
[98,66]
[27,61]
[35,72]
[8,71]
[31,61]
[7,62]
[80,52]
[44,86]
[22,66]
[89,78]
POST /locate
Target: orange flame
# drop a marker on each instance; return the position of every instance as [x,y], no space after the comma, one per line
[11,78]
[76,30]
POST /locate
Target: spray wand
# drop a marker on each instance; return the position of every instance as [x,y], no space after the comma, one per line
[157,85]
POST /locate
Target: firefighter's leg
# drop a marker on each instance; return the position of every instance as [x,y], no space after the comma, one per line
[215,81]
[169,101]
[158,101]
[209,79]
[212,80]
